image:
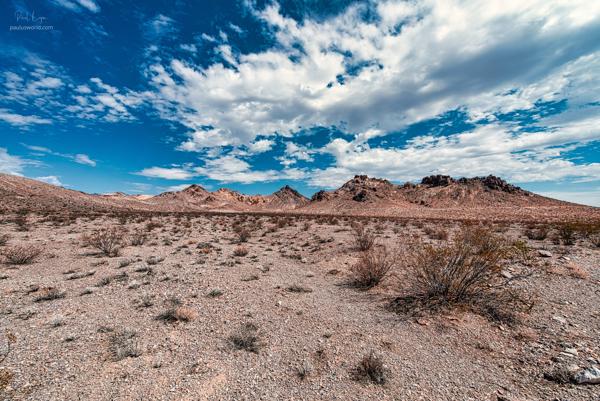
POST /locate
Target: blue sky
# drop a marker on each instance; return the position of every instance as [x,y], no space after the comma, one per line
[104,96]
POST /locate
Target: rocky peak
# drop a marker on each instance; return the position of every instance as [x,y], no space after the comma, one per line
[194,189]
[437,180]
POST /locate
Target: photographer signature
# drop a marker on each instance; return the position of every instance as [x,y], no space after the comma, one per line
[28,17]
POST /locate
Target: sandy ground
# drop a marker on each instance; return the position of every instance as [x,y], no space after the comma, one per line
[62,347]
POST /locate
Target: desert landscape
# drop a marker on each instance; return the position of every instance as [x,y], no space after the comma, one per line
[469,289]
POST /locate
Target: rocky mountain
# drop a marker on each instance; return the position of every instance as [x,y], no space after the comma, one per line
[361,195]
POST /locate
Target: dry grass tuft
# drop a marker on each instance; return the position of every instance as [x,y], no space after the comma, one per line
[240,251]
[372,267]
[124,344]
[49,294]
[371,368]
[20,255]
[246,338]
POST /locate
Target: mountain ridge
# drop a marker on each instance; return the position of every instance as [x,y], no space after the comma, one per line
[361,195]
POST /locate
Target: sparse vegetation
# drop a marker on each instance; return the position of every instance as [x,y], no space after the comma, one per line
[240,251]
[123,344]
[465,273]
[107,241]
[49,294]
[363,238]
[246,338]
[175,312]
[20,255]
[4,238]
[372,267]
[371,368]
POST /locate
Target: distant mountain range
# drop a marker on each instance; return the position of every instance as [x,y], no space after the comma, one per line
[361,195]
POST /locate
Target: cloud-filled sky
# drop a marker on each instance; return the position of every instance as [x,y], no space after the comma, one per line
[106,96]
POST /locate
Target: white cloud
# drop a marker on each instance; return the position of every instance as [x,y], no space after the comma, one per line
[21,120]
[10,164]
[84,159]
[517,156]
[419,60]
[78,5]
[261,146]
[171,173]
[159,26]
[51,179]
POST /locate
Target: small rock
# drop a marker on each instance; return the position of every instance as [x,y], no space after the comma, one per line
[559,319]
[590,375]
[507,275]
[571,351]
[544,253]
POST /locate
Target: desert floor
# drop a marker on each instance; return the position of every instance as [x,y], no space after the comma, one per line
[159,321]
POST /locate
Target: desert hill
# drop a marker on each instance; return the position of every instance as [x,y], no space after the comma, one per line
[437,196]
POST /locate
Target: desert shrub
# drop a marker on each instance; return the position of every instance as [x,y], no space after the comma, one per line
[436,233]
[465,273]
[246,338]
[138,238]
[363,238]
[4,239]
[107,241]
[124,344]
[566,233]
[243,235]
[151,225]
[240,251]
[20,255]
[371,368]
[177,314]
[372,267]
[298,289]
[595,240]
[49,294]
[538,234]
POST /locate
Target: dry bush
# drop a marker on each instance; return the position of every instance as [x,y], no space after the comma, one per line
[124,344]
[49,294]
[138,238]
[363,238]
[371,368]
[538,234]
[436,233]
[595,240]
[246,338]
[151,225]
[240,251]
[176,312]
[465,273]
[243,235]
[4,239]
[567,234]
[372,267]
[107,241]
[20,255]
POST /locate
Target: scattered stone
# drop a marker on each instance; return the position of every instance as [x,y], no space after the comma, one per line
[559,319]
[545,254]
[590,375]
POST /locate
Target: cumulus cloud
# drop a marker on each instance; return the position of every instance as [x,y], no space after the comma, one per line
[493,148]
[411,62]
